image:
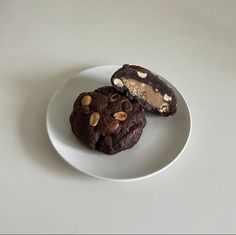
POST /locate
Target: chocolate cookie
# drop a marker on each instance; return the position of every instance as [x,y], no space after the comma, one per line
[147,88]
[107,121]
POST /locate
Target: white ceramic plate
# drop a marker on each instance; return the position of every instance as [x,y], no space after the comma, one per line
[162,141]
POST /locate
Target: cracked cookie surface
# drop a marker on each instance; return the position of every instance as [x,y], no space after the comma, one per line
[107,121]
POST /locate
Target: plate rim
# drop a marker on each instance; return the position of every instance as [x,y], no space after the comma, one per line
[58,89]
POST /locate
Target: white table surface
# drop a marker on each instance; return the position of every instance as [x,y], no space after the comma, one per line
[191,43]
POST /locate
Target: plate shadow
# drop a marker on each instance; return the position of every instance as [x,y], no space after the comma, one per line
[32,126]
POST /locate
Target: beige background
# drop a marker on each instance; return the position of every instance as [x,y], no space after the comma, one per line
[191,43]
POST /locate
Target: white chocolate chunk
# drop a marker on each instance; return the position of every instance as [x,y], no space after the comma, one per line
[167,98]
[118,82]
[141,74]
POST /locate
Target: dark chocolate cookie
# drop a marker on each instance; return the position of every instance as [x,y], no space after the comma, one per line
[147,88]
[107,121]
